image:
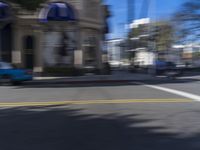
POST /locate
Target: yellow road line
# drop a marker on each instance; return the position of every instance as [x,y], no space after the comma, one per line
[85,102]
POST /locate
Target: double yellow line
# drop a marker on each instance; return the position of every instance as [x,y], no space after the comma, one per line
[90,102]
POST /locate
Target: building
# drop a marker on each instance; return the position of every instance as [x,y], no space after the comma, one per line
[64,33]
[115,51]
[189,54]
[144,58]
[136,23]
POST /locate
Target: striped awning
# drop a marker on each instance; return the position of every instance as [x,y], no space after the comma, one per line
[57,12]
[4,10]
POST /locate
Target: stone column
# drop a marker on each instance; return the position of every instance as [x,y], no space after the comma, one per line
[38,51]
[78,53]
[81,44]
[99,50]
[17,46]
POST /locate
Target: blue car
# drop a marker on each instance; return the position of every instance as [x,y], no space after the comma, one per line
[10,74]
[167,68]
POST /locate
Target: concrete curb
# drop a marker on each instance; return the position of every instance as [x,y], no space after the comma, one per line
[95,79]
[65,81]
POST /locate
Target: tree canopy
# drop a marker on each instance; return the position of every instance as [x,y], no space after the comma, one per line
[187,20]
[160,33]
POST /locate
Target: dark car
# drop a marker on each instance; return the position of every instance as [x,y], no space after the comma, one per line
[168,69]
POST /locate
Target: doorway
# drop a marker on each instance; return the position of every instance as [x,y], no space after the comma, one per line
[6,43]
[29,46]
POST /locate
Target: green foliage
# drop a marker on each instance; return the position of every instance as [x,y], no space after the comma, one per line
[160,33]
[187,20]
[163,36]
[142,29]
[196,55]
[28,4]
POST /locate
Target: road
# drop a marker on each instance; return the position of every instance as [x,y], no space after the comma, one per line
[118,116]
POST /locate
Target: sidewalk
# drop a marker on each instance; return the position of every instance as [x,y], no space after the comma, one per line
[115,77]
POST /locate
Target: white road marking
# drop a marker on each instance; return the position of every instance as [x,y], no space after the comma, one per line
[172,91]
[190,77]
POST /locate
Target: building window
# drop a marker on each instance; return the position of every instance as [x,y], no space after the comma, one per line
[29,42]
[4,10]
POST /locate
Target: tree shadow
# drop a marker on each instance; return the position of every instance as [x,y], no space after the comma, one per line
[54,128]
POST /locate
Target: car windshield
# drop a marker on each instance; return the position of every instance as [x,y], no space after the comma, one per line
[6,65]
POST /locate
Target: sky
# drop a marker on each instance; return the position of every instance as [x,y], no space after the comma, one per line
[158,10]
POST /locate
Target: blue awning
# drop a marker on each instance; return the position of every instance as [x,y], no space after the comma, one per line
[4,10]
[57,12]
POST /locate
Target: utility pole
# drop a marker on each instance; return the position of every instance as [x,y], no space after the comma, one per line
[130,10]
[130,18]
[144,12]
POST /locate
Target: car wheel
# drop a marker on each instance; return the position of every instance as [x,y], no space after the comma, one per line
[6,80]
[16,83]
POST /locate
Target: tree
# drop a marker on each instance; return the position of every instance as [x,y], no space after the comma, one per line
[159,33]
[187,20]
[163,35]
[28,4]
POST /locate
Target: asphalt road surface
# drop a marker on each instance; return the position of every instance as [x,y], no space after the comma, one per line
[130,116]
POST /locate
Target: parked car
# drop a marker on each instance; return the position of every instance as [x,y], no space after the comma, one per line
[11,74]
[169,69]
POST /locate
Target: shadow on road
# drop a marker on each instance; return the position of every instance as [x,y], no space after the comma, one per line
[191,74]
[71,85]
[171,81]
[64,84]
[67,129]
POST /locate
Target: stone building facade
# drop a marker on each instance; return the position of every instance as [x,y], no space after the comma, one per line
[64,32]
